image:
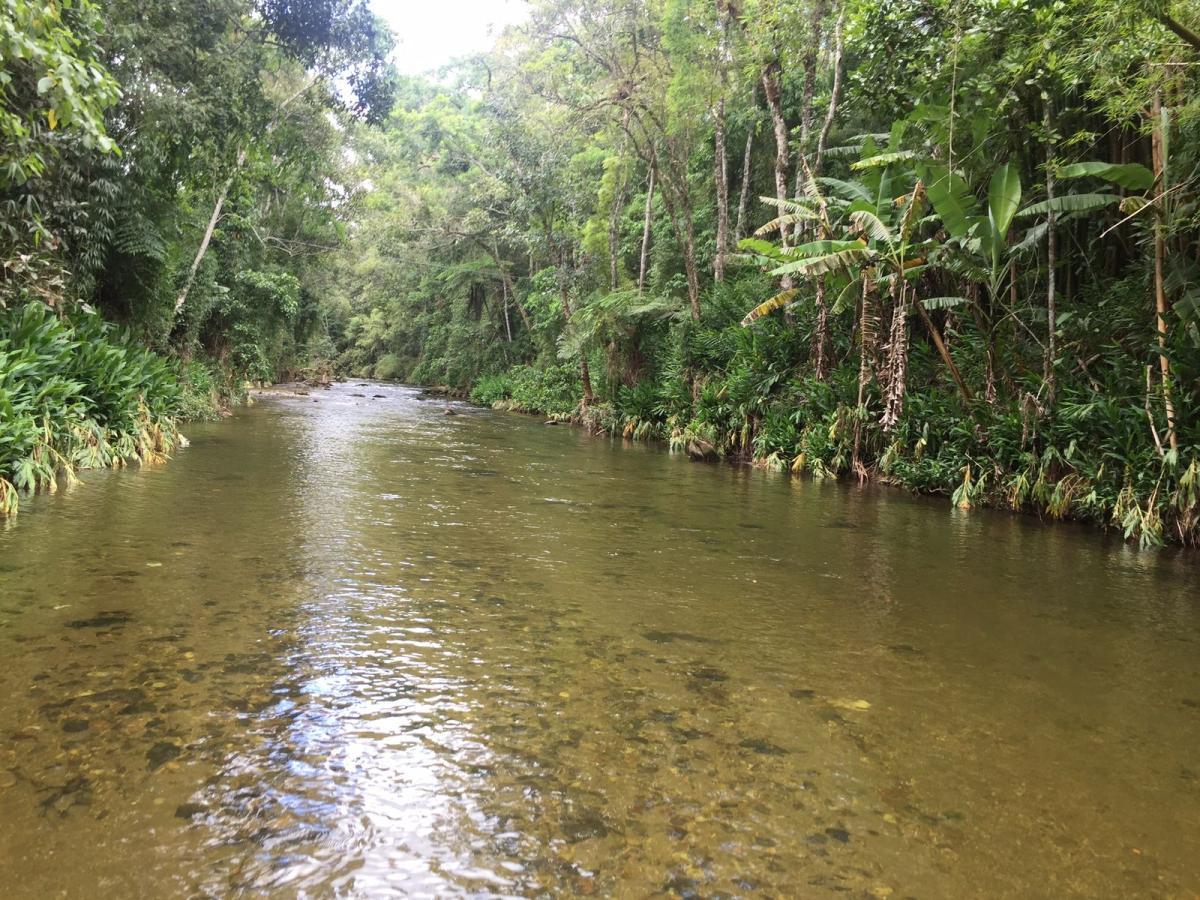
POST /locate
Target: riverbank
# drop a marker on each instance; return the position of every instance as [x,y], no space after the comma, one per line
[77,394]
[999,456]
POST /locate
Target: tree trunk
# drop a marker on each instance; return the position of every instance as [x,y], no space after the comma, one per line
[772,77]
[1181,30]
[807,113]
[507,322]
[224,195]
[1051,261]
[721,177]
[747,177]
[646,232]
[614,235]
[494,253]
[208,233]
[1160,259]
[868,335]
[821,333]
[942,349]
[835,93]
[564,293]
[689,262]
[897,361]
[678,199]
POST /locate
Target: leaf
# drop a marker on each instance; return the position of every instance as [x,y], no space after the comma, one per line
[52,118]
[871,225]
[1132,176]
[1004,198]
[943,302]
[849,190]
[1069,203]
[843,703]
[952,200]
[789,219]
[792,206]
[820,248]
[839,261]
[884,159]
[1033,238]
[769,306]
[846,297]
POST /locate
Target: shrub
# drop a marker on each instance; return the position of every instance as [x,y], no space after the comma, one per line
[389,368]
[491,389]
[77,394]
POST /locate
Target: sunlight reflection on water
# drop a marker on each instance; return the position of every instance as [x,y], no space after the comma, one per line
[387,650]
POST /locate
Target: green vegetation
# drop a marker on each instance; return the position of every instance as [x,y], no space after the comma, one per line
[173,169]
[947,245]
[950,245]
[76,395]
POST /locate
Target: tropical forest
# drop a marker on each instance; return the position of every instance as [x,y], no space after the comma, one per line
[860,559]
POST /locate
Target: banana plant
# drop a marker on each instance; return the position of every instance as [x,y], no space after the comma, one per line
[870,241]
[979,235]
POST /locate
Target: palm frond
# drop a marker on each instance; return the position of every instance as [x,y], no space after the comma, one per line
[871,225]
[783,298]
[838,261]
[884,159]
[790,219]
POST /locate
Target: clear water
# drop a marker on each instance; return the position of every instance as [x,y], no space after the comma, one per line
[350,646]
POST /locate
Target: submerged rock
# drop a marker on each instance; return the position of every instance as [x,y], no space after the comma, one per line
[667,637]
[584,824]
[161,754]
[102,620]
[766,748]
[707,673]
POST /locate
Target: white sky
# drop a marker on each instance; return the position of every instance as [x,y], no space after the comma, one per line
[430,33]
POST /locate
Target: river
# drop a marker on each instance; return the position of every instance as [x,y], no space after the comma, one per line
[348,645]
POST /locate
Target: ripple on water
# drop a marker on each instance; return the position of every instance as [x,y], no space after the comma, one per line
[390,652]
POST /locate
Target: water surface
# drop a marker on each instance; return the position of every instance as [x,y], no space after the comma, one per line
[346,645]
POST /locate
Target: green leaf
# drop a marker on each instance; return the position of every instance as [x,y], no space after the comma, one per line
[1004,198]
[884,159]
[952,200]
[762,248]
[789,219]
[1132,176]
[871,225]
[943,302]
[839,261]
[1069,203]
[847,190]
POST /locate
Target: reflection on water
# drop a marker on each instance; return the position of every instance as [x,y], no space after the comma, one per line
[348,645]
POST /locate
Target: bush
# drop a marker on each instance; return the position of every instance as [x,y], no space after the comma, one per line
[491,389]
[388,368]
[76,394]
[551,391]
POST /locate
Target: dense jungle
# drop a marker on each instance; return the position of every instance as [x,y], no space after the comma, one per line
[860,564]
[950,246]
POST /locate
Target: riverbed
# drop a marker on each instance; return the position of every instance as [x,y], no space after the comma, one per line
[348,645]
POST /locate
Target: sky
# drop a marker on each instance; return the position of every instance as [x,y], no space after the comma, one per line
[430,33]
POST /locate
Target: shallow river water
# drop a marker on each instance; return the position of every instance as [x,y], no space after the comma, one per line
[346,645]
